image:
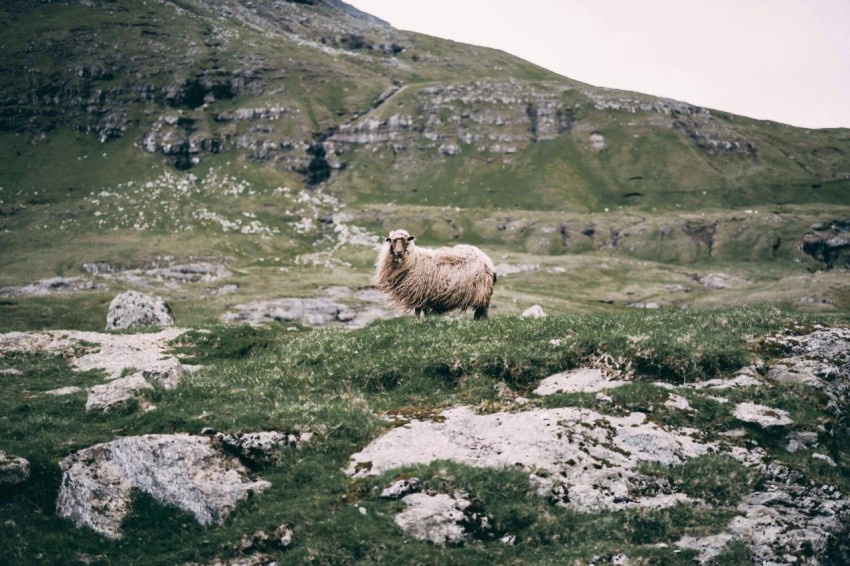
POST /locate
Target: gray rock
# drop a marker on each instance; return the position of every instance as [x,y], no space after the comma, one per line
[535,311]
[280,539]
[435,518]
[401,488]
[260,447]
[181,470]
[579,380]
[133,310]
[117,393]
[800,440]
[594,454]
[51,286]
[166,373]
[13,469]
[762,415]
[11,371]
[62,391]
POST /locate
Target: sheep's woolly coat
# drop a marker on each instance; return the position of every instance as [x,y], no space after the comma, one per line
[438,280]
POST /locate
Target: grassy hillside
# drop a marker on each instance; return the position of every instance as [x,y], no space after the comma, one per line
[342,384]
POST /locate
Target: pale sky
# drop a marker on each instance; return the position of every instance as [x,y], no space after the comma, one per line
[781,60]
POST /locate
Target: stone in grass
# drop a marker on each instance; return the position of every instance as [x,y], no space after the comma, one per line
[62,391]
[535,311]
[260,448]
[13,469]
[436,518]
[116,393]
[166,373]
[401,488]
[762,415]
[133,310]
[280,539]
[177,469]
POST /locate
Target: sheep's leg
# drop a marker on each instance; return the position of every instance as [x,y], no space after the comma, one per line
[481,313]
[421,310]
[417,311]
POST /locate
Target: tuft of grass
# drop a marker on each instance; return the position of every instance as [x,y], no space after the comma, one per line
[715,478]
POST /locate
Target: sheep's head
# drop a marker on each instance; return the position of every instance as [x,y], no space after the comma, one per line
[401,243]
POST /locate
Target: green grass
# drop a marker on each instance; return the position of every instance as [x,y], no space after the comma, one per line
[337,383]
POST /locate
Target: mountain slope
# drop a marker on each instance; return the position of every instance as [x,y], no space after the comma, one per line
[326,93]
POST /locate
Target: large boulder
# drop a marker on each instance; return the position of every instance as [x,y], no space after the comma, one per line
[133,309]
[175,469]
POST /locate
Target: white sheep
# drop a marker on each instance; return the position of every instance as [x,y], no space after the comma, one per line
[438,280]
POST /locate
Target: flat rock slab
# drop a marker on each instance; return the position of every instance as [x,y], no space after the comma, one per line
[116,393]
[591,457]
[762,415]
[437,518]
[581,380]
[112,353]
[177,469]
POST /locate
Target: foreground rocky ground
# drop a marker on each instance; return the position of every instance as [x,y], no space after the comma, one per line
[595,457]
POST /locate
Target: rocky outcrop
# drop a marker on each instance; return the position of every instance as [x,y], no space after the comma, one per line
[829,243]
[181,470]
[13,469]
[51,286]
[820,359]
[590,466]
[133,310]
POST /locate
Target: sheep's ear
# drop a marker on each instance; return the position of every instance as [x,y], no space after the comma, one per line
[410,238]
[389,241]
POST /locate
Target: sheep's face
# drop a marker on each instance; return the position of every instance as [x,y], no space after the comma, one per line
[401,244]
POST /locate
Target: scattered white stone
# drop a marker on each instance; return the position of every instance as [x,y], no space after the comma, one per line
[13,469]
[435,518]
[64,391]
[401,488]
[581,380]
[762,415]
[597,141]
[11,371]
[181,470]
[509,540]
[602,398]
[535,311]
